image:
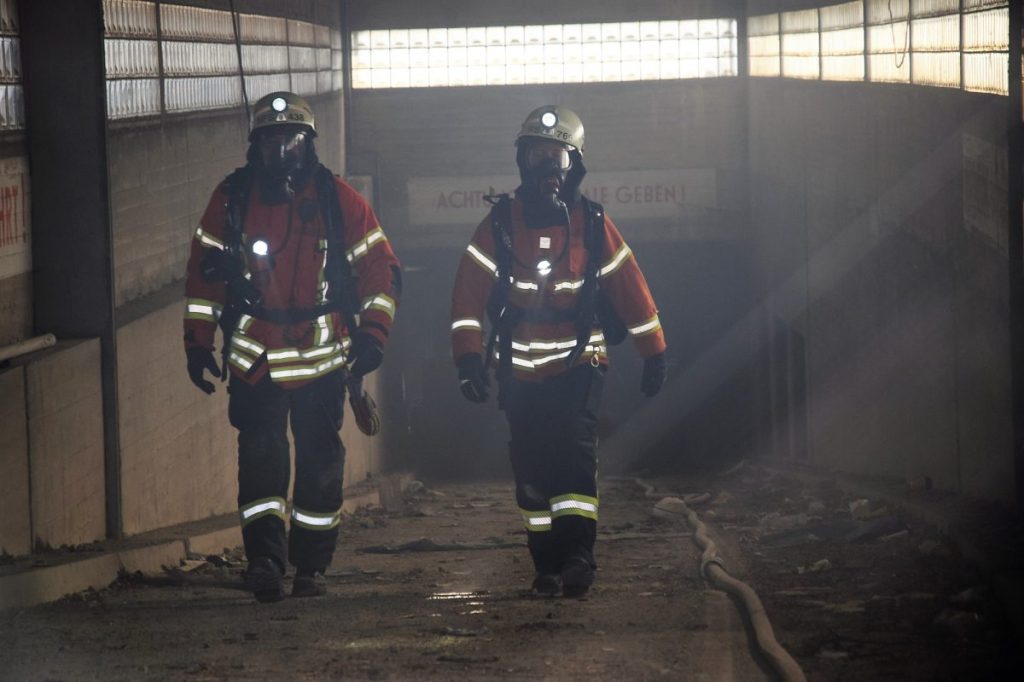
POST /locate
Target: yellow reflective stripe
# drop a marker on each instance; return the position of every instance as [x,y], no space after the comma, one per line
[647,327]
[616,261]
[574,504]
[524,285]
[312,353]
[381,302]
[240,361]
[321,274]
[202,309]
[522,362]
[568,285]
[534,346]
[244,343]
[207,239]
[482,259]
[323,329]
[536,520]
[315,521]
[267,506]
[467,323]
[361,247]
[309,371]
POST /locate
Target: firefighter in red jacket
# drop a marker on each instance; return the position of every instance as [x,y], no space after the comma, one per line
[557,283]
[292,264]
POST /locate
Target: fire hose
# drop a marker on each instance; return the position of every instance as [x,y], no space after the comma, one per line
[712,568]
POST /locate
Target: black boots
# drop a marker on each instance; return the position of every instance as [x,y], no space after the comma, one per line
[309,583]
[547,584]
[577,576]
[264,578]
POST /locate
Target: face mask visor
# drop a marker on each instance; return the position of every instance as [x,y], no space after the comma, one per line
[282,149]
[548,156]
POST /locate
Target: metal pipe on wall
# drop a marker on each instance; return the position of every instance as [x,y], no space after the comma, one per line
[27,346]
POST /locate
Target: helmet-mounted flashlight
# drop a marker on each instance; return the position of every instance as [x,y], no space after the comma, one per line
[549,119]
[279,104]
[260,247]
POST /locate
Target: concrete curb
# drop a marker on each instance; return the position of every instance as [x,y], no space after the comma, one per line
[41,584]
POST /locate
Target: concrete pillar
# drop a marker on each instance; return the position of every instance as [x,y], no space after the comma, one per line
[65,112]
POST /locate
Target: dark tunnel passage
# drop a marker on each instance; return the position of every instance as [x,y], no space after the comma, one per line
[805,460]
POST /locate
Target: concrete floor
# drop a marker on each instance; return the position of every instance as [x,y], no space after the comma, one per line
[437,587]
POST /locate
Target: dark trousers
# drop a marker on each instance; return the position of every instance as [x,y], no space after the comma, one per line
[553,449]
[261,414]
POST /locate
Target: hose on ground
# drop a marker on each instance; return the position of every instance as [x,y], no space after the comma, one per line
[712,568]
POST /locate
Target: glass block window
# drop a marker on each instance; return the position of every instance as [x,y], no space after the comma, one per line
[986,48]
[888,34]
[935,43]
[764,45]
[842,42]
[196,48]
[945,43]
[800,42]
[543,53]
[12,108]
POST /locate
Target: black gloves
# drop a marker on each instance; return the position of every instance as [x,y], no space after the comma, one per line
[655,374]
[365,355]
[472,379]
[200,359]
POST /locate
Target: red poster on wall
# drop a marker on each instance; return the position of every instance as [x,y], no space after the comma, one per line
[15,241]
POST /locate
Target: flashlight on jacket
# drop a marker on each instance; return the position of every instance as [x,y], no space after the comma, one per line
[219,266]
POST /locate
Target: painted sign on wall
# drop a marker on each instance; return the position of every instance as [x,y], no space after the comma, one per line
[15,242]
[648,194]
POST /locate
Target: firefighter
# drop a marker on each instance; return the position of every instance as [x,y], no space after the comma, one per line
[558,284]
[292,264]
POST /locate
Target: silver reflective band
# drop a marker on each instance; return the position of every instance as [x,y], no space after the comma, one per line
[240,361]
[319,369]
[362,246]
[265,506]
[296,354]
[379,301]
[526,286]
[208,239]
[256,348]
[482,259]
[201,309]
[573,504]
[466,323]
[617,260]
[650,325]
[539,520]
[568,285]
[328,520]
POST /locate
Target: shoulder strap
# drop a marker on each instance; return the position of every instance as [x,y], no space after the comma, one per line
[340,277]
[501,229]
[586,307]
[238,184]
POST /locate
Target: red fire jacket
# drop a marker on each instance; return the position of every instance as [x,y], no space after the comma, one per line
[539,349]
[292,275]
